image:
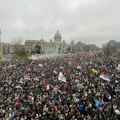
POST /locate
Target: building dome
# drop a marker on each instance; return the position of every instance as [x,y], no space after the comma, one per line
[57,37]
[42,40]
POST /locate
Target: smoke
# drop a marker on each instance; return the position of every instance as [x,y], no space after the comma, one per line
[44,56]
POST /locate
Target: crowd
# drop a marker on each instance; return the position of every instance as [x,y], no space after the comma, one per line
[89,88]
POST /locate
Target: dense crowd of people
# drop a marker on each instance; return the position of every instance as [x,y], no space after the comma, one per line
[31,90]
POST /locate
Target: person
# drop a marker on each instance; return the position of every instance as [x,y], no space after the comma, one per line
[30,89]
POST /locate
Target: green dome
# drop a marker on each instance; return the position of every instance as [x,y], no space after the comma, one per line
[41,40]
[57,35]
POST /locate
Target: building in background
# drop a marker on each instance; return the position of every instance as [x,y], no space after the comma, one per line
[53,46]
[57,45]
[6,50]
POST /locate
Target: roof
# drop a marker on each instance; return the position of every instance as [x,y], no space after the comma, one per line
[31,41]
[57,35]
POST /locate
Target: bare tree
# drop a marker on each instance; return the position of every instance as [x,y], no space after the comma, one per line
[19,49]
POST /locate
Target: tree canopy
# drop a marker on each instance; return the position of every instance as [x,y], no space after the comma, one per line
[108,49]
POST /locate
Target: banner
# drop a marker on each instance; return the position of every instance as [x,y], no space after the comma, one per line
[61,77]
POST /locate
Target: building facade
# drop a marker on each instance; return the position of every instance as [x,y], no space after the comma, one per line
[6,50]
[53,46]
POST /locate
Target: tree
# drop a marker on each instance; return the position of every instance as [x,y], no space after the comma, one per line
[19,50]
[38,49]
[68,49]
[107,49]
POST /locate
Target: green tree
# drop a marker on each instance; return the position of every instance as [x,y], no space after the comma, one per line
[37,49]
[68,49]
[108,49]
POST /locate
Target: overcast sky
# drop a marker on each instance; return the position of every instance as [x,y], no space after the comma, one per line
[89,21]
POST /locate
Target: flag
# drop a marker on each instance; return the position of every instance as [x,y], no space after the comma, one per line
[47,86]
[79,67]
[61,77]
[109,96]
[118,67]
[61,67]
[36,79]
[18,101]
[94,70]
[104,77]
[40,65]
[42,74]
[31,98]
[27,77]
[55,72]
[21,81]
[18,87]
[97,103]
[81,108]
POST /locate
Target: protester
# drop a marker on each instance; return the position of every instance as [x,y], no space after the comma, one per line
[76,87]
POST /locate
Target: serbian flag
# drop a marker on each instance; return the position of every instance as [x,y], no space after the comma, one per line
[79,67]
[61,77]
[104,77]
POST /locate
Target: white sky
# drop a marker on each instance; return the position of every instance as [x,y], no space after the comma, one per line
[89,21]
